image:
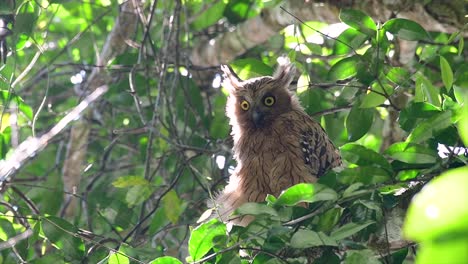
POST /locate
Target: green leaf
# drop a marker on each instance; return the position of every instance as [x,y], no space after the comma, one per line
[363,174]
[411,153]
[410,115]
[250,68]
[353,189]
[446,251]
[238,11]
[201,238]
[302,192]
[446,72]
[118,258]
[256,209]
[172,206]
[406,29]
[463,121]
[26,110]
[377,95]
[166,260]
[461,45]
[363,156]
[24,23]
[358,122]
[323,193]
[64,236]
[406,175]
[138,194]
[349,229]
[359,21]
[437,209]
[305,238]
[398,75]
[209,16]
[12,99]
[6,229]
[360,256]
[348,41]
[345,68]
[329,219]
[129,181]
[425,91]
[428,128]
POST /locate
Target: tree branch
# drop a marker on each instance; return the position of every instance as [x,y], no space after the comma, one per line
[257,30]
[33,145]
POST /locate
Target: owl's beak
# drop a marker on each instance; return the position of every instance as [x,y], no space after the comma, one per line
[258,118]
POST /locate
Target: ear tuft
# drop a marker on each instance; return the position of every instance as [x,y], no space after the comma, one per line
[284,74]
[231,81]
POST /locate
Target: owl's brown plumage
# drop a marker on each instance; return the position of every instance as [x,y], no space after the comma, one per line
[276,144]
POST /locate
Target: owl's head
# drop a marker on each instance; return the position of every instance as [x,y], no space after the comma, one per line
[256,103]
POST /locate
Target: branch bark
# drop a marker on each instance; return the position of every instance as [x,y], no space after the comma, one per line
[257,30]
[116,43]
[33,145]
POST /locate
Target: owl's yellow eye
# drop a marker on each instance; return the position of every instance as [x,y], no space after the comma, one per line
[244,105]
[269,100]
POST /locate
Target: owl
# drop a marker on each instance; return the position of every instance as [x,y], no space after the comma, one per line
[276,144]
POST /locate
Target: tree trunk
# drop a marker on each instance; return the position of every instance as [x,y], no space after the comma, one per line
[116,43]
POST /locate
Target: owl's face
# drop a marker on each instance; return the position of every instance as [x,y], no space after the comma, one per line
[255,103]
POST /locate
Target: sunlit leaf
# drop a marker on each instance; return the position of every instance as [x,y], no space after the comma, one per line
[166,260]
[201,238]
[250,68]
[406,175]
[377,96]
[238,11]
[444,251]
[359,21]
[446,72]
[303,192]
[411,153]
[406,29]
[6,230]
[437,209]
[345,68]
[118,258]
[349,40]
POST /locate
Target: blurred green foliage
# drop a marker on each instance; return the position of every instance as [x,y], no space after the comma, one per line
[388,118]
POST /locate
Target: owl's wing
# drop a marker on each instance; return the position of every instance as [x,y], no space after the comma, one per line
[318,150]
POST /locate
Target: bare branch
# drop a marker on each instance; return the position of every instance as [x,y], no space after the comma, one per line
[33,145]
